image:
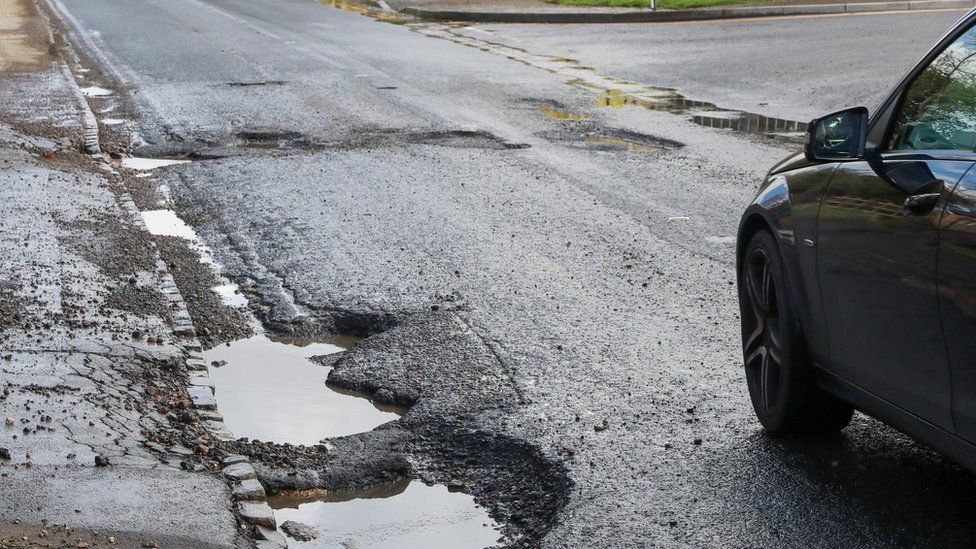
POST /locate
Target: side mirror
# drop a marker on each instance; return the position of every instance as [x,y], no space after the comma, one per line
[837,136]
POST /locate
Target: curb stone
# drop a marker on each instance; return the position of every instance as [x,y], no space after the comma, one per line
[246,490]
[667,16]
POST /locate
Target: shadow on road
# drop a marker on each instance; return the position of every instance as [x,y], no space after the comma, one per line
[869,482]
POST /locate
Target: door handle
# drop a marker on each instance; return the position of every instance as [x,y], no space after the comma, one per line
[918,204]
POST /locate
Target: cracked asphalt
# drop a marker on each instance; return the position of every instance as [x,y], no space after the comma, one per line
[354,175]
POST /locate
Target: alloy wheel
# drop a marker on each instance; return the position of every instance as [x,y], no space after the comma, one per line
[763,348]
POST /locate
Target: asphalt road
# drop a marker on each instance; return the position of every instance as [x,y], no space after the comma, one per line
[600,277]
[792,67]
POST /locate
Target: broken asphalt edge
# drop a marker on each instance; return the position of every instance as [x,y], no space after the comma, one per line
[255,516]
[669,16]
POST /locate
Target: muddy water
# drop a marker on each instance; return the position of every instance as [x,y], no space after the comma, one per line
[402,515]
[269,390]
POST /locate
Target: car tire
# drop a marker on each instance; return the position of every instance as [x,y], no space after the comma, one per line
[778,368]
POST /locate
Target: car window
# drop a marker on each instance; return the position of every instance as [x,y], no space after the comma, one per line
[939,108]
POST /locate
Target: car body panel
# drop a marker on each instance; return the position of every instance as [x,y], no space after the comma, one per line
[787,204]
[876,264]
[957,295]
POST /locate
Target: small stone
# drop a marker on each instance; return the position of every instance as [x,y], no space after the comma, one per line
[4,454]
[101,461]
[299,531]
[111,539]
[697,442]
[10,421]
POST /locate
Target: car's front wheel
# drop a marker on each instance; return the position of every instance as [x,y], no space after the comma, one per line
[778,369]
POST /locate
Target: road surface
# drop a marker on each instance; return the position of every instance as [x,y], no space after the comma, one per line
[365,170]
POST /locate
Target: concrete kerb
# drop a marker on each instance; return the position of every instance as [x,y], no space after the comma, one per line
[667,16]
[247,493]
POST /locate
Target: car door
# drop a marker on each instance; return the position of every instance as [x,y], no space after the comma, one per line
[878,240]
[957,285]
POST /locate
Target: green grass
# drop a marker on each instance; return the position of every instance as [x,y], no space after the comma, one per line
[663,4]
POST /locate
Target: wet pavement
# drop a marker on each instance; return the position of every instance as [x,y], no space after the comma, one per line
[558,313]
[85,335]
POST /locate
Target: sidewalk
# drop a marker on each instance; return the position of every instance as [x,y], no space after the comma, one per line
[539,11]
[89,456]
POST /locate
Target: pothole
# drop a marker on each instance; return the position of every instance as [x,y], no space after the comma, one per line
[617,142]
[257,83]
[95,91]
[273,140]
[268,390]
[402,515]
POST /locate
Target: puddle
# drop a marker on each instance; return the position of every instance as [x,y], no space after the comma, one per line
[231,295]
[137,163]
[167,223]
[378,14]
[623,143]
[614,92]
[269,390]
[553,112]
[401,515]
[95,91]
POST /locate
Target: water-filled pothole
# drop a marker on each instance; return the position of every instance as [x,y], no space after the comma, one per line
[623,144]
[137,163]
[95,91]
[403,515]
[557,113]
[268,390]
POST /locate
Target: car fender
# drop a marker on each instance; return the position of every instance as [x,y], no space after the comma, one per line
[787,205]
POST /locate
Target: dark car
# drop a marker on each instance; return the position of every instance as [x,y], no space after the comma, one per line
[857,264]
